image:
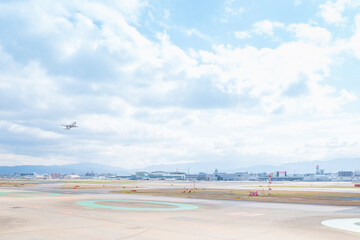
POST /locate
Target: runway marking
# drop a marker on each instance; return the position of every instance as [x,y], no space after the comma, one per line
[178,206]
[34,207]
[349,224]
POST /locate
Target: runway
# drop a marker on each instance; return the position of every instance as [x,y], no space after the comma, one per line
[60,216]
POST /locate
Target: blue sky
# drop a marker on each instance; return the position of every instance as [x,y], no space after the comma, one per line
[162,82]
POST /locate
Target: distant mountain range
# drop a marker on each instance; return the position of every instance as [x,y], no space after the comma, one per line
[350,164]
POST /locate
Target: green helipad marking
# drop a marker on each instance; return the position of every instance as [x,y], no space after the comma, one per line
[28,194]
[178,206]
[348,224]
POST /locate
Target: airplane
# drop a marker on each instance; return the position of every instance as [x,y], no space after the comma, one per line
[69,126]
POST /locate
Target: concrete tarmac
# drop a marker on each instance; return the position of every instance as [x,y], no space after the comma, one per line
[39,216]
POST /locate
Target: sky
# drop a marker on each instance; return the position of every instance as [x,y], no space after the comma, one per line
[169,82]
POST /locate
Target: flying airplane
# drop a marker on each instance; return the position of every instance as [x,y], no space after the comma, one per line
[69,126]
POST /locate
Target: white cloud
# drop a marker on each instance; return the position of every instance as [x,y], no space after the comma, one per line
[242,35]
[193,31]
[354,42]
[267,73]
[234,10]
[266,27]
[30,84]
[14,128]
[141,101]
[332,11]
[308,33]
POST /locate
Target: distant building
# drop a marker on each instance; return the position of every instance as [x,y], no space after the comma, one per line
[319,171]
[43,177]
[242,176]
[55,175]
[142,175]
[202,176]
[167,175]
[199,177]
[90,174]
[280,174]
[345,174]
[221,176]
[125,176]
[218,176]
[72,176]
[311,177]
[27,175]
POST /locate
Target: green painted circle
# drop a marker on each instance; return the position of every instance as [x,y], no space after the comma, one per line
[28,194]
[178,206]
[348,224]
